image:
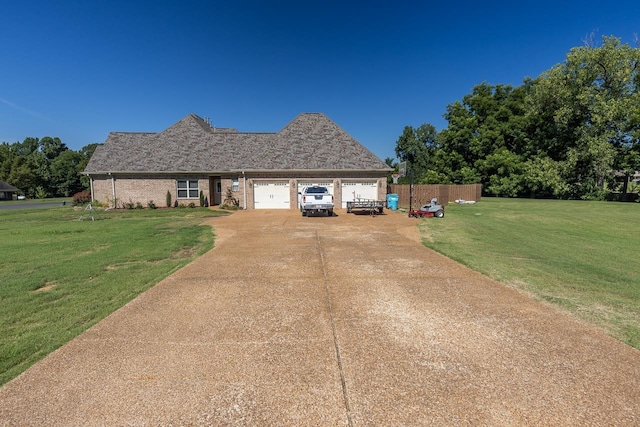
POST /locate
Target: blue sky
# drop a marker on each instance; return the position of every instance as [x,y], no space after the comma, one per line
[80,69]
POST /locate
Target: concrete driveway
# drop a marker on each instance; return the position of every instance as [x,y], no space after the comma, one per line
[344,321]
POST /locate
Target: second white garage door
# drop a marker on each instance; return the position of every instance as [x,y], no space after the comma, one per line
[271,195]
[358,190]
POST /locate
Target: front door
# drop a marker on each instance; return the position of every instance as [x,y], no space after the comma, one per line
[216,188]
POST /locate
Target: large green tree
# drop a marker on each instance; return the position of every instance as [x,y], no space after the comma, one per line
[567,133]
[52,147]
[6,159]
[65,173]
[486,139]
[86,152]
[416,146]
[593,103]
[23,176]
[44,167]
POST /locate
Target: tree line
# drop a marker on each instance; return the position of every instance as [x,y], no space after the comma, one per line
[45,167]
[571,133]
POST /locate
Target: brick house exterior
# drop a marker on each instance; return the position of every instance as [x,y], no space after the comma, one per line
[261,170]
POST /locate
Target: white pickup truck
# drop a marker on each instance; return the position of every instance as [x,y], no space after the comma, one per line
[315,199]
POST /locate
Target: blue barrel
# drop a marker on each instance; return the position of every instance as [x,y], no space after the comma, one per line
[392,201]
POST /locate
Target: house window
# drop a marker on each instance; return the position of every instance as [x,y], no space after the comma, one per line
[188,189]
[235,185]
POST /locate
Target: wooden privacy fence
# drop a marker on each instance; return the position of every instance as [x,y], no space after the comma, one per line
[423,193]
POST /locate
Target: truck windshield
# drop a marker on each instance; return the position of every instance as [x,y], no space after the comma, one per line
[316,190]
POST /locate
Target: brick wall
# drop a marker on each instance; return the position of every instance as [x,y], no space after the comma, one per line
[101,189]
[143,189]
[146,188]
[226,182]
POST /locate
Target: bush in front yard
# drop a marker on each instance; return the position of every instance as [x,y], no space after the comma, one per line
[81,198]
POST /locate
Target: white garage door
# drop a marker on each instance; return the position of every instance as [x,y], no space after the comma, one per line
[352,191]
[271,195]
[303,184]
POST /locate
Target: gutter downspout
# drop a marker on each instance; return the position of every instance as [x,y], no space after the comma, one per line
[91,184]
[113,191]
[244,192]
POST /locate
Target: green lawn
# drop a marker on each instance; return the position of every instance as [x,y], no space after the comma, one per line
[59,275]
[580,256]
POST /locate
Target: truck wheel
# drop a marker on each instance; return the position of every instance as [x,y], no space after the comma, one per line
[329,213]
[439,213]
[304,213]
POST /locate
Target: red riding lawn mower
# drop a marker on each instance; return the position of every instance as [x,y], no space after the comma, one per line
[433,209]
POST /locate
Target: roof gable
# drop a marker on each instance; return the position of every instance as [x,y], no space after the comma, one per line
[4,186]
[311,141]
[317,141]
[190,127]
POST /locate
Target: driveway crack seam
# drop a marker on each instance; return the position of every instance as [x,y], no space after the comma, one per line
[345,393]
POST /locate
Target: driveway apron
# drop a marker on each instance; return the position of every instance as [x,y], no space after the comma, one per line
[343,321]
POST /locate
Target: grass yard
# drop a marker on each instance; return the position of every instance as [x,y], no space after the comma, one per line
[581,256]
[59,276]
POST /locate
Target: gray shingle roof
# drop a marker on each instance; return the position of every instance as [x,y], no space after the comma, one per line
[4,186]
[311,141]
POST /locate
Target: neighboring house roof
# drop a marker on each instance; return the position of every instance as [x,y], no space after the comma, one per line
[7,187]
[310,142]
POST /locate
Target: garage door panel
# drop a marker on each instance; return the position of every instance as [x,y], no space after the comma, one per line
[271,195]
[352,191]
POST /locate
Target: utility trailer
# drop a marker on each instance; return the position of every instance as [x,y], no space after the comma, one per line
[366,205]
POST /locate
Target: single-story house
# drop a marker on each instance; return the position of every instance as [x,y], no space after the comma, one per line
[259,170]
[7,191]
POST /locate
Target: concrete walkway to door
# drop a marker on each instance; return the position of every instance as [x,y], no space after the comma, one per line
[343,321]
